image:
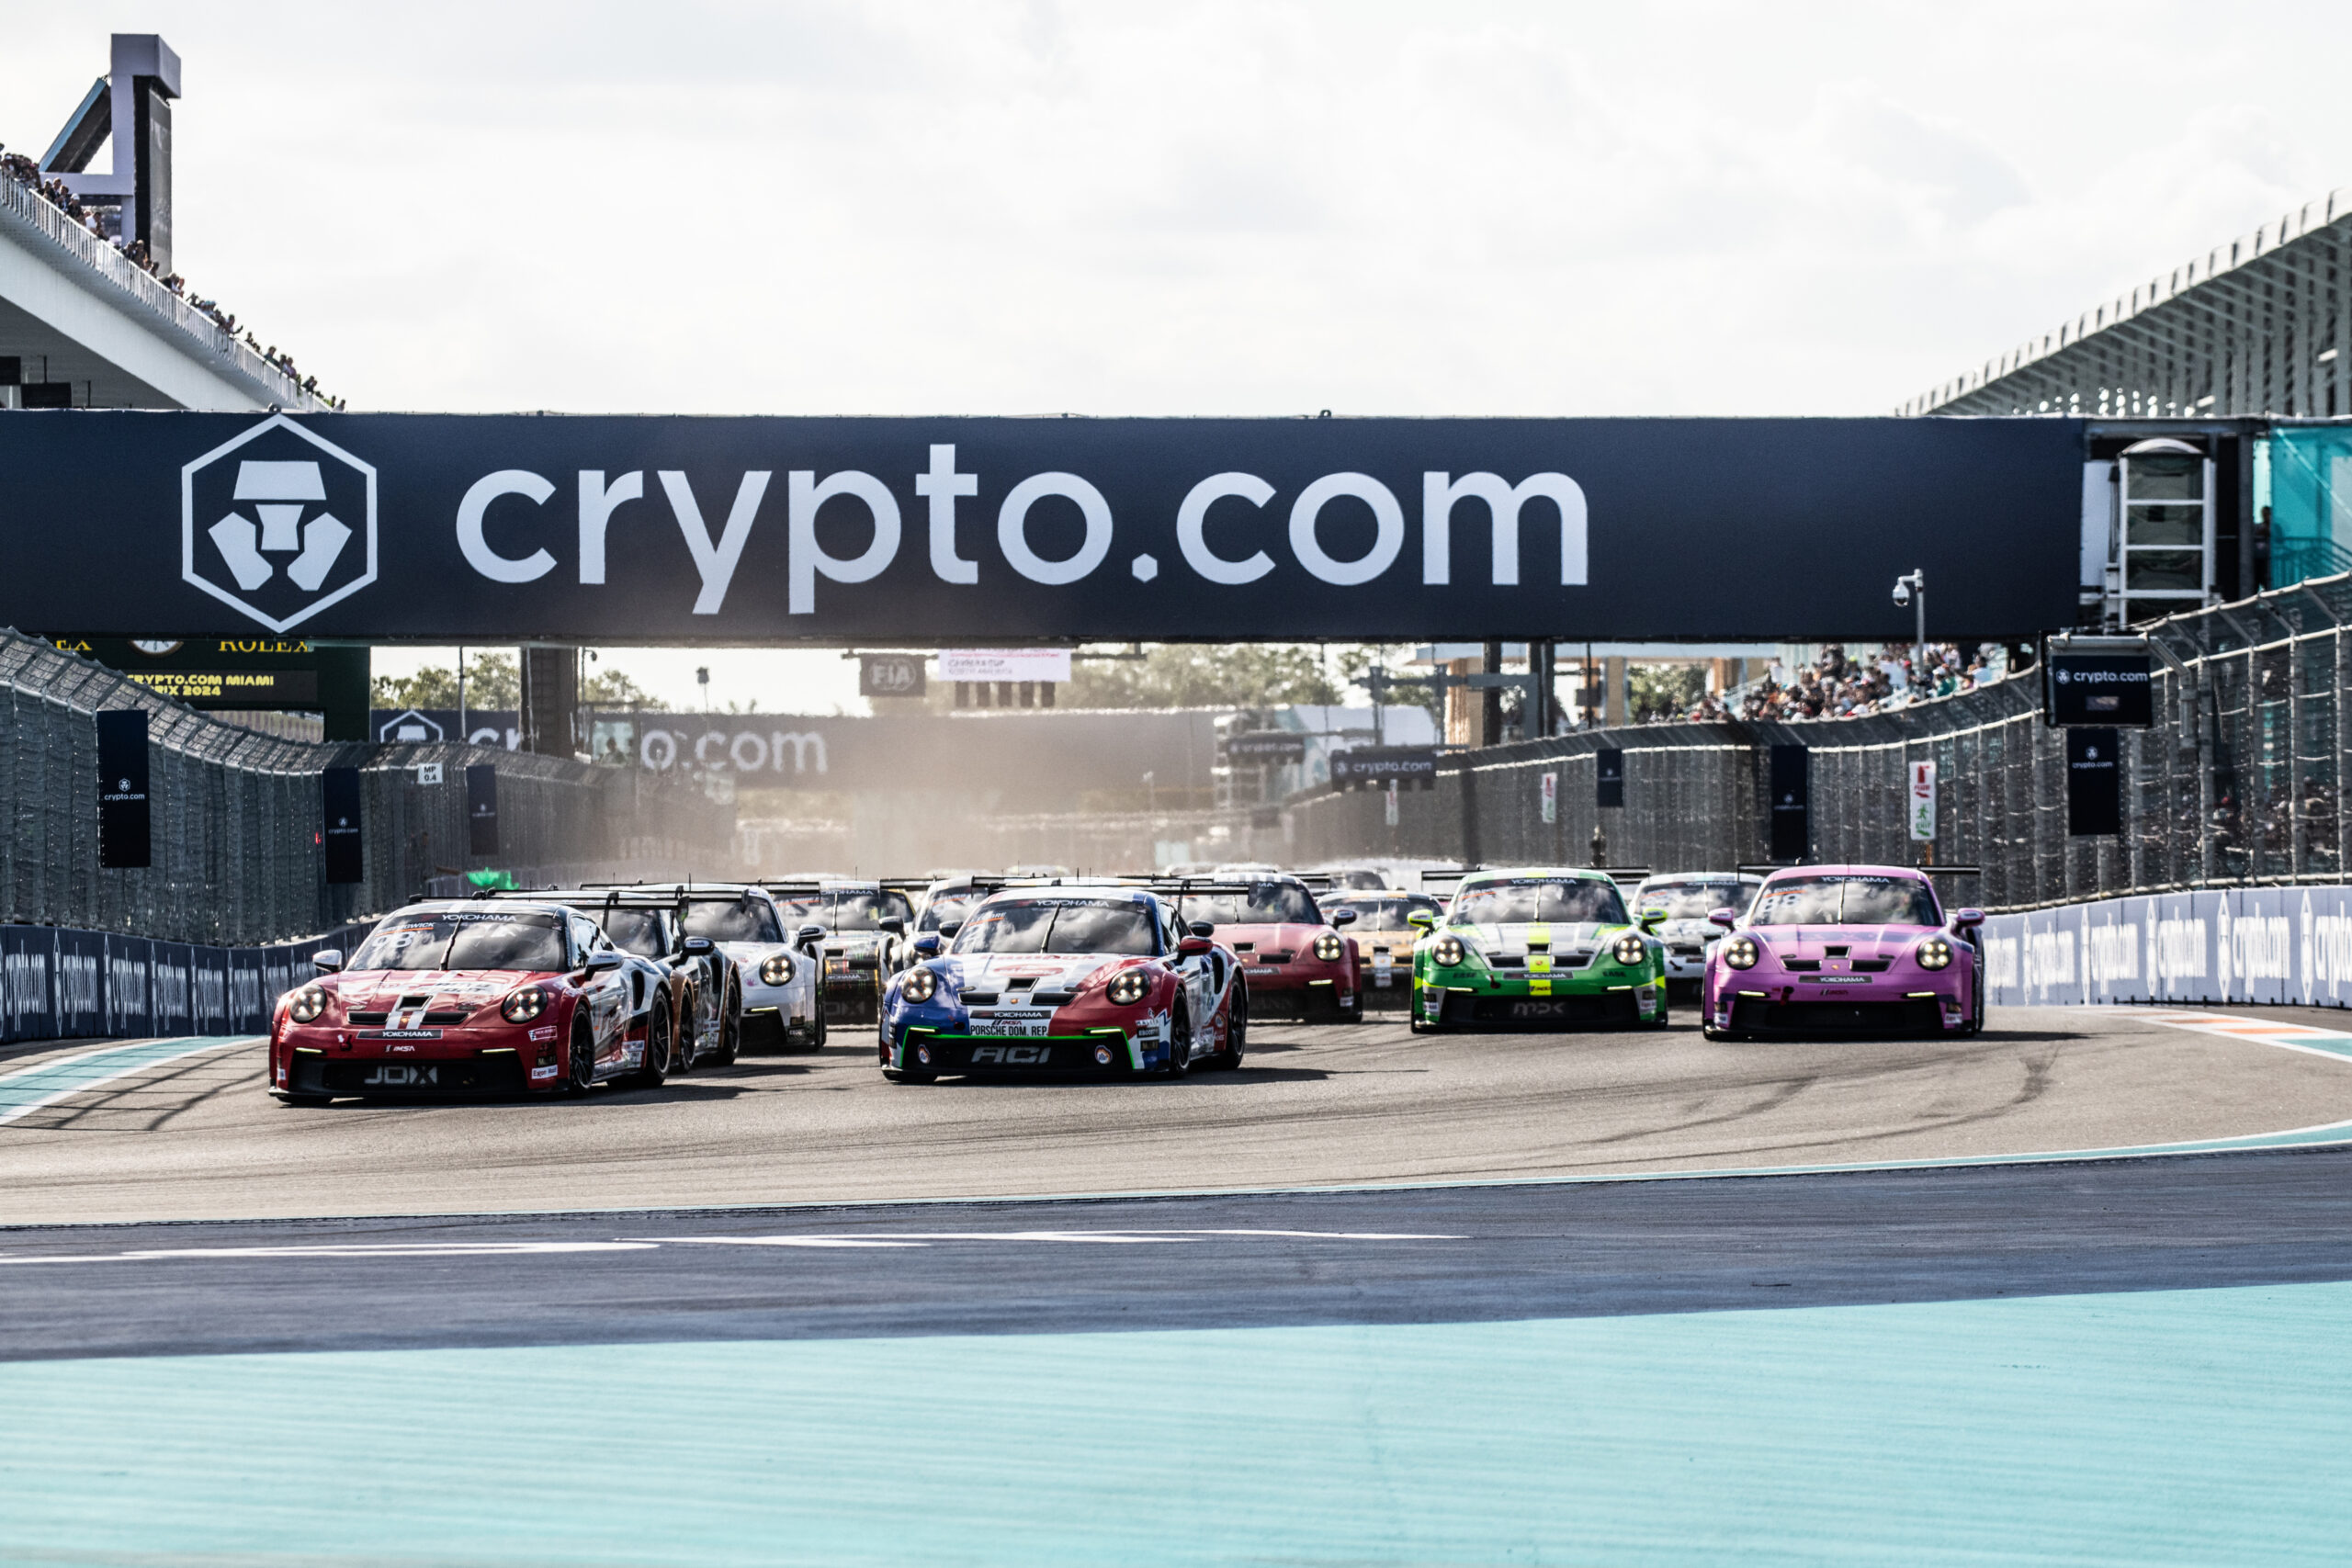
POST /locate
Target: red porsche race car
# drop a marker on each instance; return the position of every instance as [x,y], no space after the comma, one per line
[1296,962]
[468,997]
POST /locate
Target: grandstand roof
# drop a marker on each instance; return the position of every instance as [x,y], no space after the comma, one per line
[2258,326]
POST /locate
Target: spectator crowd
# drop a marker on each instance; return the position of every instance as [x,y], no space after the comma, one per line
[26,171]
[1837,686]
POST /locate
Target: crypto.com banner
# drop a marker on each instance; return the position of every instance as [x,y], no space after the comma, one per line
[2259,944]
[459,529]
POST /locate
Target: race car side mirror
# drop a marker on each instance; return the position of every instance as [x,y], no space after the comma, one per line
[893,924]
[1421,920]
[1724,917]
[327,960]
[1650,919]
[1343,918]
[1201,929]
[695,946]
[602,963]
[947,930]
[1195,947]
[1968,919]
[928,945]
[808,932]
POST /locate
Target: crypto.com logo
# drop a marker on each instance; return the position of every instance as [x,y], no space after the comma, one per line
[282,531]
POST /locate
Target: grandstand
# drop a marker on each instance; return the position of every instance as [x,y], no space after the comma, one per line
[2258,327]
[93,313]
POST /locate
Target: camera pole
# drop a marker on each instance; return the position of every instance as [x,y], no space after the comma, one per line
[1911,588]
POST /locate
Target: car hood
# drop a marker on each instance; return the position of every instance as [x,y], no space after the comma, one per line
[385,989]
[1044,971]
[1564,936]
[1860,941]
[1285,937]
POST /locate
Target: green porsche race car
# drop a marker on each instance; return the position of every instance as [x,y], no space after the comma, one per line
[1537,948]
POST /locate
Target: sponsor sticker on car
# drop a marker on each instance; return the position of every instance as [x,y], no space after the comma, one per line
[1539,1009]
[1839,979]
[400,1034]
[1014,1025]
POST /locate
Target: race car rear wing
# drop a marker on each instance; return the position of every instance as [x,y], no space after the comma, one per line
[1768,867]
[1455,873]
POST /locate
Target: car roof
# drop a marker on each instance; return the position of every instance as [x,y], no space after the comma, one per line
[1902,873]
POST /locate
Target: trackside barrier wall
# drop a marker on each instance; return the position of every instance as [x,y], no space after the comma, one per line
[62,984]
[238,849]
[2239,782]
[2250,944]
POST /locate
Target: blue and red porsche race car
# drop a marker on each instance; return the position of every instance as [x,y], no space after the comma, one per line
[1852,949]
[1066,978]
[451,997]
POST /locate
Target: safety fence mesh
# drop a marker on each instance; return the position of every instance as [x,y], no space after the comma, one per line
[2238,783]
[237,817]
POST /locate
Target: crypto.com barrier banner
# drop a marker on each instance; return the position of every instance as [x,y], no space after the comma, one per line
[507,528]
[2261,944]
[60,984]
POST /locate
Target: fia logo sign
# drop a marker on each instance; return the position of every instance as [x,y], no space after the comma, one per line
[278,524]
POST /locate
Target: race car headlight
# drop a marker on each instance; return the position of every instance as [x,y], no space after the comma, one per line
[521,1007]
[1630,950]
[1328,948]
[1448,952]
[776,969]
[307,1004]
[919,986]
[1128,988]
[1741,953]
[1935,953]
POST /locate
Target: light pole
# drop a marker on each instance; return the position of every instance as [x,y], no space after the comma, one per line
[1912,589]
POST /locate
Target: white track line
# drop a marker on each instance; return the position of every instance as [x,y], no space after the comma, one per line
[82,1086]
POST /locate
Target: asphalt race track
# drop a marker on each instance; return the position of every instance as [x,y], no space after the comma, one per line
[789,1312]
[196,1137]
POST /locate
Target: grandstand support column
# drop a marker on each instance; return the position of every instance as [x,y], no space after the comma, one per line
[551,701]
[1490,700]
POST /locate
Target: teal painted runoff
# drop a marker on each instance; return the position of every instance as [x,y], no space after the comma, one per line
[30,1087]
[2179,1427]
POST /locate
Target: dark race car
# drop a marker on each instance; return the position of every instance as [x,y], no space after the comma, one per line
[864,937]
[690,971]
[444,998]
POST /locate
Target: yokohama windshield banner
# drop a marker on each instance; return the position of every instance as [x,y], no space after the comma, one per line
[507,528]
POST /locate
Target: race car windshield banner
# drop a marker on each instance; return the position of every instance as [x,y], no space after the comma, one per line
[983,531]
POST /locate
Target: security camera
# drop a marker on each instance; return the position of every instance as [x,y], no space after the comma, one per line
[1903,594]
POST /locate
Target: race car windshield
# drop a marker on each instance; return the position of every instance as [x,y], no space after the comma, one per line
[947,907]
[740,919]
[1383,914]
[1847,901]
[1571,900]
[866,911]
[637,931]
[1691,900]
[1266,904]
[466,940]
[1061,925]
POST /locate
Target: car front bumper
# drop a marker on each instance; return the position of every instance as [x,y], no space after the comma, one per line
[1463,1000]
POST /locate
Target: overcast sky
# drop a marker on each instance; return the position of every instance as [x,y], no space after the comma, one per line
[992,206]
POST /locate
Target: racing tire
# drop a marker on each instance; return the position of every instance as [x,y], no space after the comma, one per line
[582,1057]
[730,1029]
[655,1065]
[689,1042]
[1179,1046]
[1353,1014]
[1237,1034]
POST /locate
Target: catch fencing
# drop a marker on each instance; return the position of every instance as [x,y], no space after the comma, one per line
[237,817]
[2238,783]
